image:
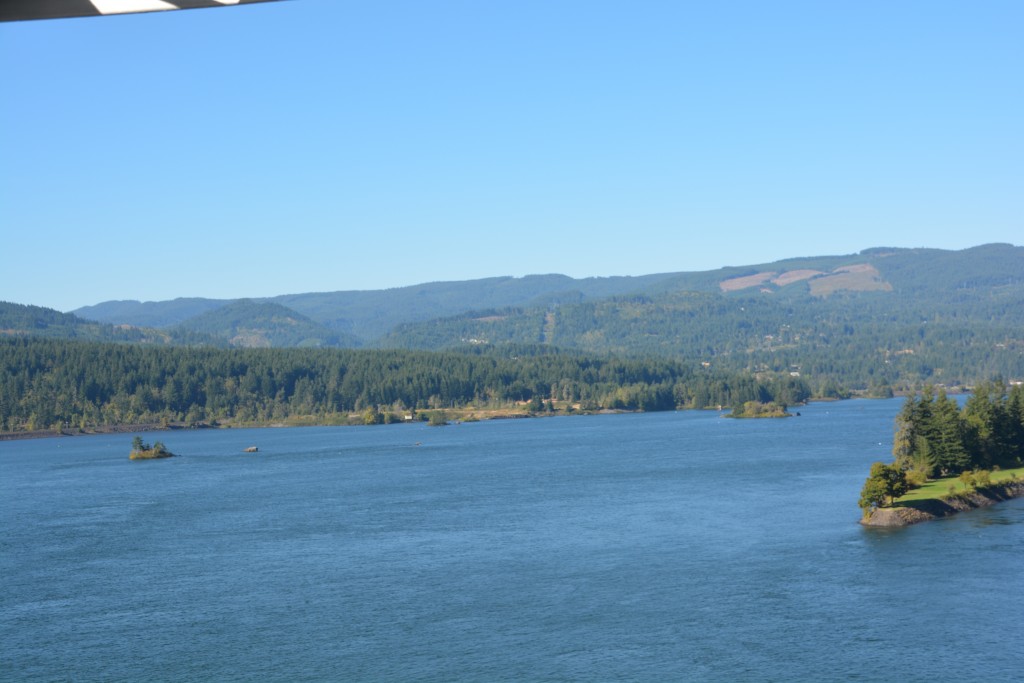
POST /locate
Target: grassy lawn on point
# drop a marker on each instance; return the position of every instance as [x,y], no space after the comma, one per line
[939,488]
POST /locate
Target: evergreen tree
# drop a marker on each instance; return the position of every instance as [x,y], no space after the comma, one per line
[949,449]
[905,441]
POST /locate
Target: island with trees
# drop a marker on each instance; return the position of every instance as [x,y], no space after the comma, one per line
[145,451]
[949,459]
[759,409]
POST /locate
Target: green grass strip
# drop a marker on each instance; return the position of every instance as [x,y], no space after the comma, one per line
[939,488]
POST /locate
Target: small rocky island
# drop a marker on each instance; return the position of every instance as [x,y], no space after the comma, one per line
[144,451]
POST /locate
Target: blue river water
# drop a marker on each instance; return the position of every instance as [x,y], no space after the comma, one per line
[636,547]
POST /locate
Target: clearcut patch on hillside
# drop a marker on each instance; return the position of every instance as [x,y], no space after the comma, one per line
[858,278]
[737,283]
[861,277]
[791,276]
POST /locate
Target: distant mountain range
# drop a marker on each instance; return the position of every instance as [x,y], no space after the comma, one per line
[930,312]
[926,274]
[369,315]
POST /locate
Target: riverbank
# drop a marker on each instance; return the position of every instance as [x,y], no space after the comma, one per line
[111,429]
[934,501]
[340,420]
[469,414]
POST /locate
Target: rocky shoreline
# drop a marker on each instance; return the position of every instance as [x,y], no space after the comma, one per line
[927,510]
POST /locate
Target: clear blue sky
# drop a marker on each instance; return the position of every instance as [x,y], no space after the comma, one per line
[321,145]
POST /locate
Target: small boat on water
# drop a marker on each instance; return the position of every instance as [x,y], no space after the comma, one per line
[252,449]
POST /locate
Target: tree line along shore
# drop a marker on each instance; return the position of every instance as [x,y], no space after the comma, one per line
[67,386]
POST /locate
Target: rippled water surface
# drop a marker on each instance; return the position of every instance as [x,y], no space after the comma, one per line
[670,546]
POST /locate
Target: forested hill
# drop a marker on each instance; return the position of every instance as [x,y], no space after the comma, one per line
[369,315]
[244,324]
[929,279]
[894,319]
[18,320]
[251,324]
[860,340]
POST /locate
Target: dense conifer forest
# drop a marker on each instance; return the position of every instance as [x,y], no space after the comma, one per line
[59,384]
[936,437]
